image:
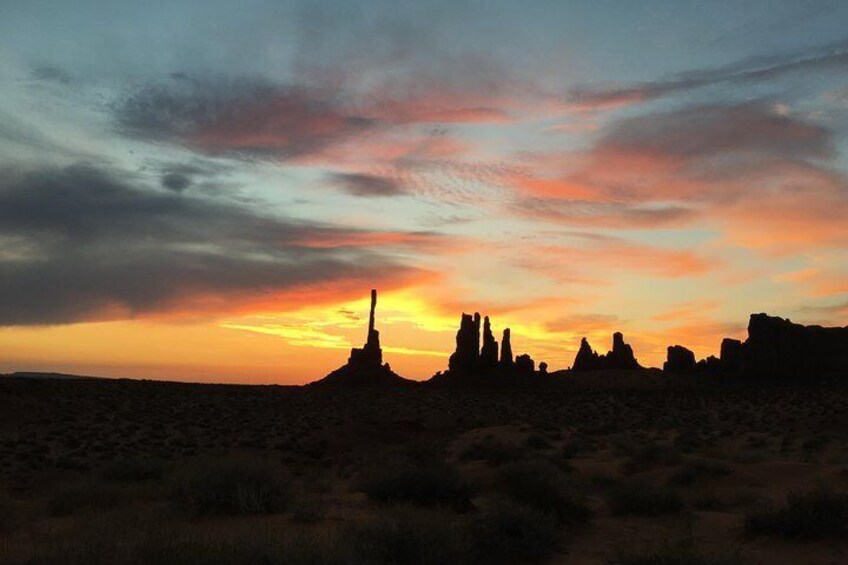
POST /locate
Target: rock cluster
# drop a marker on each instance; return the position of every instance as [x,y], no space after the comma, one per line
[473,363]
[680,361]
[619,358]
[779,350]
[776,350]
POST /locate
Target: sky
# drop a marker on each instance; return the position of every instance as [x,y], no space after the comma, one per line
[207,191]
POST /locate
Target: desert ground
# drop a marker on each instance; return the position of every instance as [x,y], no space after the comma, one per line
[117,471]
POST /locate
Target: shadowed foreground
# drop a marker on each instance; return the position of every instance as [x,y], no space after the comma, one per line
[101,471]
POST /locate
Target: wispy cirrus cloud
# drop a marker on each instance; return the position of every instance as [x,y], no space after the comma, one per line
[363,184]
[826,58]
[769,179]
[240,116]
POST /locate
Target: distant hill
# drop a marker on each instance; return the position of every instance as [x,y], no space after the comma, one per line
[58,376]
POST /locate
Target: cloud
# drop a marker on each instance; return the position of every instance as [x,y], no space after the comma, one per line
[176,181]
[837,311]
[361,184]
[83,243]
[583,323]
[618,254]
[763,177]
[607,214]
[826,58]
[241,117]
[716,130]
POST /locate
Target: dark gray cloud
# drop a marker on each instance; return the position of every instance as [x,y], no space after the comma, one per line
[177,182]
[238,117]
[827,58]
[80,243]
[361,184]
[705,131]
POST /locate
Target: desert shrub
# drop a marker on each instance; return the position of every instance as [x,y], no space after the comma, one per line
[407,536]
[603,480]
[708,501]
[133,470]
[688,441]
[816,514]
[80,496]
[651,455]
[9,515]
[672,556]
[401,538]
[815,443]
[576,445]
[508,532]
[432,484]
[231,487]
[492,451]
[537,441]
[642,499]
[309,509]
[181,549]
[542,486]
[698,470]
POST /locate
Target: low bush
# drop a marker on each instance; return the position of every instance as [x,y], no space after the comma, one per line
[672,556]
[492,451]
[576,445]
[232,487]
[76,497]
[649,456]
[8,513]
[542,486]
[428,485]
[698,470]
[816,514]
[133,470]
[537,441]
[407,537]
[509,532]
[642,499]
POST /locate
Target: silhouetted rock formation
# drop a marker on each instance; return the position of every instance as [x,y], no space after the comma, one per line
[506,350]
[365,365]
[776,351]
[524,366]
[467,354]
[680,361]
[711,364]
[731,354]
[489,351]
[620,358]
[371,355]
[779,350]
[473,365]
[586,358]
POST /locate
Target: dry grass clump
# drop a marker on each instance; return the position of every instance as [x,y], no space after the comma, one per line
[430,484]
[510,532]
[642,499]
[231,487]
[816,514]
[541,485]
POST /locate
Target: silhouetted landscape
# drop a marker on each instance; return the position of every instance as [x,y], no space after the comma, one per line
[607,254]
[737,459]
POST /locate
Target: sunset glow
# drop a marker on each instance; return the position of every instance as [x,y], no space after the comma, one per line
[187,199]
